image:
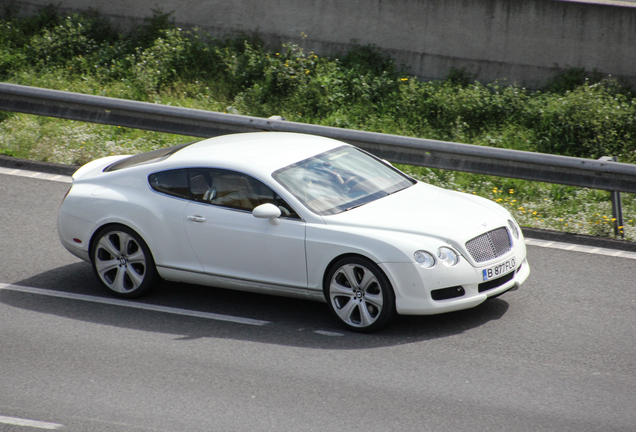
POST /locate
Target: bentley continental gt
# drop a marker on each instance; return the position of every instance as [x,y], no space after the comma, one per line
[293,215]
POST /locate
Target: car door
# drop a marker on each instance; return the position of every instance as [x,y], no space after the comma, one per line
[231,242]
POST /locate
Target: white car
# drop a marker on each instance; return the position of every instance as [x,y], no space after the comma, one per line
[294,215]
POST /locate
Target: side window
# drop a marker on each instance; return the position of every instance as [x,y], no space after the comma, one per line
[173,183]
[234,190]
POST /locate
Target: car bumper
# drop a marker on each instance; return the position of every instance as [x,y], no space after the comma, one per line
[75,235]
[464,283]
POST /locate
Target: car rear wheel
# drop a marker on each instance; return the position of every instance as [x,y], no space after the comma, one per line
[359,294]
[122,262]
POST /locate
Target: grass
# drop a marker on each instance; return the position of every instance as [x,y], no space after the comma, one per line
[576,114]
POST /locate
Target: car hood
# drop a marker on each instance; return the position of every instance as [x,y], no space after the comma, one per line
[427,210]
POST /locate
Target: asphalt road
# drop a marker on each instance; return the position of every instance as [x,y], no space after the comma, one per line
[557,355]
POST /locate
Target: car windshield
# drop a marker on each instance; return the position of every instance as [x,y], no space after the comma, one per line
[340,179]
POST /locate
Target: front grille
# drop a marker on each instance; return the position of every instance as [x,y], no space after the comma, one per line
[489,246]
[494,283]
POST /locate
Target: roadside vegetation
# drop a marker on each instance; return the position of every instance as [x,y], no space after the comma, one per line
[577,114]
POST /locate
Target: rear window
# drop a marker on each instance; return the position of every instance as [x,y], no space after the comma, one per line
[173,183]
[145,158]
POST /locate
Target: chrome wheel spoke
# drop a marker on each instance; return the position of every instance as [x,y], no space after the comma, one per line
[106,266]
[135,277]
[106,244]
[336,289]
[137,258]
[368,279]
[347,311]
[119,283]
[374,300]
[348,272]
[366,318]
[127,243]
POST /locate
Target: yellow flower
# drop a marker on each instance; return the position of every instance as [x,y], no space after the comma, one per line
[404,79]
[511,191]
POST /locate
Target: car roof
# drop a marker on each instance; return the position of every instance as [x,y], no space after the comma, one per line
[258,152]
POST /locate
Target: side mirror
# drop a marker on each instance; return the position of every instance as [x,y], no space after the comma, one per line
[267,211]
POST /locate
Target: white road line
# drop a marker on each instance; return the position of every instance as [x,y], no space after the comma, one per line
[327,333]
[30,423]
[581,248]
[131,304]
[37,175]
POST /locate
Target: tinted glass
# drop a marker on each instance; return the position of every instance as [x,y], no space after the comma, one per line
[173,183]
[340,180]
[234,190]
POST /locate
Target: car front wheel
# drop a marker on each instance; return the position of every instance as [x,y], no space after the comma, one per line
[359,295]
[122,261]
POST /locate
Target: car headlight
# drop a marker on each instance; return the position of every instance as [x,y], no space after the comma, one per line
[447,256]
[424,259]
[513,228]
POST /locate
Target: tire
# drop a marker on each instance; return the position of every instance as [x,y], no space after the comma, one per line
[359,295]
[122,262]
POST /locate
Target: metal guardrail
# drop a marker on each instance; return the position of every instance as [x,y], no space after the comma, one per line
[595,174]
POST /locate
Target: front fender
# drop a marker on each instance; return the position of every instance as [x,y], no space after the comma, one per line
[324,243]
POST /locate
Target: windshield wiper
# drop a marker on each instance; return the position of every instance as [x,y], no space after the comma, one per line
[355,206]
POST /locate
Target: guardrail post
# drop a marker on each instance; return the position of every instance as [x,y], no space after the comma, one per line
[617,206]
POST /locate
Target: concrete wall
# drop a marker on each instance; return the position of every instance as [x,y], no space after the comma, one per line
[524,41]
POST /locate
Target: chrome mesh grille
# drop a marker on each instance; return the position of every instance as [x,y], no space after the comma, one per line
[489,246]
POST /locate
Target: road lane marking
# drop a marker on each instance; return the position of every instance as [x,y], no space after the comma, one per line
[30,423]
[327,333]
[36,175]
[581,248]
[132,304]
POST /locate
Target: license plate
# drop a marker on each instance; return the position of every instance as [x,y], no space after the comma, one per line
[499,269]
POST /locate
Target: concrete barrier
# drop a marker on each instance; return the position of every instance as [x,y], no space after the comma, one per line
[523,41]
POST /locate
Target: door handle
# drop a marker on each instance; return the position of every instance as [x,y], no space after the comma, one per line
[195,218]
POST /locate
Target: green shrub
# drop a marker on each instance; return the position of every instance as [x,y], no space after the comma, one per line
[571,78]
[590,121]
